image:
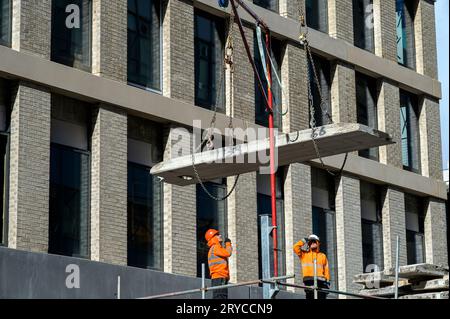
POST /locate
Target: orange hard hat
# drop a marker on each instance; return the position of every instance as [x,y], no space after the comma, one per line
[210,233]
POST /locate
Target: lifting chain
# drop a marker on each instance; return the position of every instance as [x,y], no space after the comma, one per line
[228,60]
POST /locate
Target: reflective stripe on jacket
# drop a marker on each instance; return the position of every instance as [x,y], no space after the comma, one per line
[307,261]
[218,259]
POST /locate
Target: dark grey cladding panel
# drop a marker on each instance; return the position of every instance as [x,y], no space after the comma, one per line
[36,275]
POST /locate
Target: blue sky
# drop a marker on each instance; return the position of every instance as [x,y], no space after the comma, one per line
[442,26]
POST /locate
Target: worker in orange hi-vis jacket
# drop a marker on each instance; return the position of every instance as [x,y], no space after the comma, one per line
[218,262]
[308,250]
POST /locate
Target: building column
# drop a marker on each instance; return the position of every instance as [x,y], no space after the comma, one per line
[425,39]
[29,172]
[297,215]
[242,204]
[430,138]
[178,50]
[340,20]
[180,211]
[297,183]
[385,26]
[388,107]
[343,93]
[31,27]
[348,232]
[109,39]
[394,224]
[109,185]
[290,9]
[435,232]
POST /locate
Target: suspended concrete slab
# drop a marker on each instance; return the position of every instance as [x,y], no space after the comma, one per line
[250,157]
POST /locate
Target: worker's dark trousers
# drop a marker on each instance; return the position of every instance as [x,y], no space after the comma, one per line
[310,292]
[220,293]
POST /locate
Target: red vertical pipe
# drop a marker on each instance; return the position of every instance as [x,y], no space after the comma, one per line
[273,180]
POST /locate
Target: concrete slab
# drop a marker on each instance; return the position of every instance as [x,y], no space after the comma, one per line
[430,295]
[294,147]
[374,279]
[420,272]
[403,289]
[431,285]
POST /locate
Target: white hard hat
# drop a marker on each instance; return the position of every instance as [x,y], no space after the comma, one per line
[313,237]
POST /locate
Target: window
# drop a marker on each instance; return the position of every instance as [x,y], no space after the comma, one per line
[268,4]
[261,116]
[324,218]
[5,22]
[209,53]
[409,119]
[69,217]
[145,195]
[5,111]
[366,103]
[144,43]
[317,14]
[363,30]
[414,214]
[372,228]
[210,214]
[405,10]
[264,207]
[71,44]
[322,68]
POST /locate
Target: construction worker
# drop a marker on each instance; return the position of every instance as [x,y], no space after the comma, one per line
[308,250]
[218,262]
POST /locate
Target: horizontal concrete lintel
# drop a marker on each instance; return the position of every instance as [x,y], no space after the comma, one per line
[378,173]
[94,89]
[331,48]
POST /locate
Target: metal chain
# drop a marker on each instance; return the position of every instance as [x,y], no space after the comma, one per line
[228,60]
[304,40]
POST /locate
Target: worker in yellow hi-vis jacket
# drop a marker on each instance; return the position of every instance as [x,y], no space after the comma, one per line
[308,250]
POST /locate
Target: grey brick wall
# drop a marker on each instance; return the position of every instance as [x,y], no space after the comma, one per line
[243,228]
[109,186]
[430,138]
[343,93]
[393,215]
[435,232]
[348,232]
[31,27]
[340,19]
[293,78]
[425,37]
[109,39]
[178,50]
[385,29]
[290,9]
[180,231]
[29,168]
[388,108]
[298,215]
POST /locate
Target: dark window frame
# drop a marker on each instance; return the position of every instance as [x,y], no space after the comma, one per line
[6,133]
[8,41]
[360,29]
[261,115]
[215,24]
[419,206]
[323,68]
[409,103]
[313,17]
[88,212]
[363,109]
[71,60]
[272,5]
[139,20]
[408,10]
[161,218]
